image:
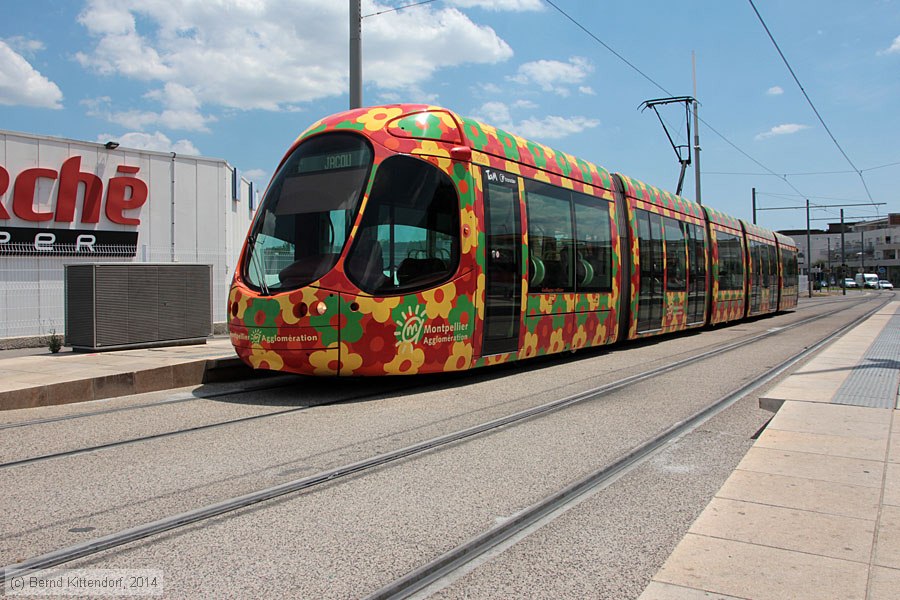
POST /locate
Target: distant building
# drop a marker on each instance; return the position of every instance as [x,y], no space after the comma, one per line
[65,201]
[869,247]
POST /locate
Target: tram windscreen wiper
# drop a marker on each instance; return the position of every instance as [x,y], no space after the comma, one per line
[257,263]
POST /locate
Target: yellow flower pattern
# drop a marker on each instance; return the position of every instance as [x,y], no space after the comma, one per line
[439,301]
[407,363]
[379,308]
[377,118]
[441,329]
[460,357]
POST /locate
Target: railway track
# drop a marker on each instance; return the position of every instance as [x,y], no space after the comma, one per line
[281,382]
[117,539]
[449,564]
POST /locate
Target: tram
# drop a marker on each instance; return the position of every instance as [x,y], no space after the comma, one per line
[407,239]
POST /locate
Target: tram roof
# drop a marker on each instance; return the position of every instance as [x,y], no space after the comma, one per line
[419,124]
[422,122]
[654,195]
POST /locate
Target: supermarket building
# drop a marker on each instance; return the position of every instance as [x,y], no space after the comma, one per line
[69,202]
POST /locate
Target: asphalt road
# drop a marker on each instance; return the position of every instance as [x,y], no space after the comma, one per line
[349,537]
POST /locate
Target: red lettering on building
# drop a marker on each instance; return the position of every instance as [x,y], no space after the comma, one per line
[4,185]
[117,203]
[70,176]
[124,193]
[23,194]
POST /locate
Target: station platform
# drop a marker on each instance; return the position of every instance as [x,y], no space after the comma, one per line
[35,377]
[813,509]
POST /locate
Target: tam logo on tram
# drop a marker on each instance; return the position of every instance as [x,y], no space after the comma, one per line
[407,239]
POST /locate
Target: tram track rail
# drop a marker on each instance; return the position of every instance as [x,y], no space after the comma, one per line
[279,382]
[178,399]
[459,558]
[523,520]
[196,428]
[295,409]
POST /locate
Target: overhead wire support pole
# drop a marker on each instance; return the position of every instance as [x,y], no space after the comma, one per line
[355,54]
[808,252]
[843,257]
[696,132]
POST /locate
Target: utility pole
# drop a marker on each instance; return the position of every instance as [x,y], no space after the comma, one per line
[753,197]
[843,258]
[808,253]
[696,131]
[862,251]
[355,54]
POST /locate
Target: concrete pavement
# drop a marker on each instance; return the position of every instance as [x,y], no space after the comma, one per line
[813,510]
[29,380]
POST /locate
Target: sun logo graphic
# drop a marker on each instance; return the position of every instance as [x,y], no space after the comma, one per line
[256,336]
[410,327]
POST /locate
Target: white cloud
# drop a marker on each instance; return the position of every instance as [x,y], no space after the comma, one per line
[22,85]
[496,114]
[555,76]
[551,127]
[775,90]
[157,142]
[23,45]
[430,41]
[498,5]
[276,54]
[257,175]
[554,127]
[785,129]
[893,49]
[181,112]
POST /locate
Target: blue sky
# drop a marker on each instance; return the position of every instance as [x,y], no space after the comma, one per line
[239,79]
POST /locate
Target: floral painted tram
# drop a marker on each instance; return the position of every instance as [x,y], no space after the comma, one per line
[408,239]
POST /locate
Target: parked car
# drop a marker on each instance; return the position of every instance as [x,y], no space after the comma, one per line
[885,284]
[849,282]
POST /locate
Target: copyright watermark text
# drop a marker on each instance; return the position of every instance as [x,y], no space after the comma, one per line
[85,582]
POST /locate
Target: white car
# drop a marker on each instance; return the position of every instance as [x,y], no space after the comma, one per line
[885,284]
[849,283]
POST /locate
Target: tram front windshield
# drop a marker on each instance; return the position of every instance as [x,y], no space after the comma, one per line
[306,216]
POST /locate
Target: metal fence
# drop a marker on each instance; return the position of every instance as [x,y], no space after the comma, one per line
[32,286]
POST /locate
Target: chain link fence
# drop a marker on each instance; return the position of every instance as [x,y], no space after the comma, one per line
[32,283]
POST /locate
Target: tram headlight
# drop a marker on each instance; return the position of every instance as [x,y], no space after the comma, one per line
[321,308]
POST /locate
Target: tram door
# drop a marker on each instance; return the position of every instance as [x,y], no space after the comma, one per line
[756,276]
[503,263]
[650,293]
[697,274]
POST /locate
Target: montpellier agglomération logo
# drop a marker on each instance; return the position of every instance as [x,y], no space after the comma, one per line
[410,327]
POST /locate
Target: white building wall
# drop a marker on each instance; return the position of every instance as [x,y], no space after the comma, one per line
[209,225]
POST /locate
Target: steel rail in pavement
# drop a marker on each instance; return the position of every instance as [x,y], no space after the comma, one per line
[457,558]
[120,538]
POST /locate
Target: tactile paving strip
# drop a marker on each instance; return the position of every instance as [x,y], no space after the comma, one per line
[874,381]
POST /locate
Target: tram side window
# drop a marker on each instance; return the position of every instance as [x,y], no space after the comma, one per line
[564,257]
[789,266]
[409,235]
[731,262]
[676,265]
[593,245]
[550,237]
